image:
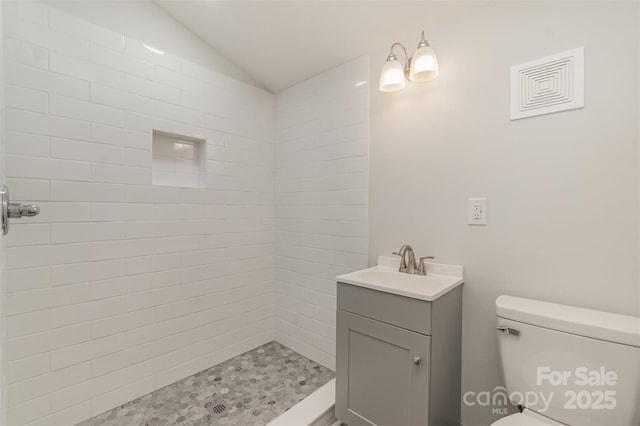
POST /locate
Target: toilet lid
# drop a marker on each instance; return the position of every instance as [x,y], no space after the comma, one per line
[526,418]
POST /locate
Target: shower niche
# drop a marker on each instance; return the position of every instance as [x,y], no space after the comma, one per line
[178,160]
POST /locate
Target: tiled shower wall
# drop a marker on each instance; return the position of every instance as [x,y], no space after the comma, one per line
[120,287]
[322,181]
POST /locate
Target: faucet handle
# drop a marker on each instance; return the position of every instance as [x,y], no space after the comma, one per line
[403,263]
[422,269]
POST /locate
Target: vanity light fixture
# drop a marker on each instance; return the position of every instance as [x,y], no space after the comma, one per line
[423,66]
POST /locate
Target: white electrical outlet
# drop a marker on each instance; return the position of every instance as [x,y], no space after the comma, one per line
[477,211]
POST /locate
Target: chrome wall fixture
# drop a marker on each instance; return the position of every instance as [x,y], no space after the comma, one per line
[10,210]
[422,66]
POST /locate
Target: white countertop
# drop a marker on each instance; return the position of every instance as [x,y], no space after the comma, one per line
[440,279]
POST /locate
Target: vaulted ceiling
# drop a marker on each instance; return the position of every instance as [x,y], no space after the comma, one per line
[281,43]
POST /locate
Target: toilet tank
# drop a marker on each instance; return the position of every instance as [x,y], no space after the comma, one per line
[573,365]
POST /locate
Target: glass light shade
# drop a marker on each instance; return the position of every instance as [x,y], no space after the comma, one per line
[392,77]
[424,65]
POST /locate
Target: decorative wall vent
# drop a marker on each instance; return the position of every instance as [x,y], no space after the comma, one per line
[546,85]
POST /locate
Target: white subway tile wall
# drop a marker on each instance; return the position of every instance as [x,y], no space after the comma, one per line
[118,287]
[322,181]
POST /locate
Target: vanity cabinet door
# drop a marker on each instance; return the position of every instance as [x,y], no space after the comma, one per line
[382,373]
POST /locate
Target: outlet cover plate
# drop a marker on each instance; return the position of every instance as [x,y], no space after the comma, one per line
[477,211]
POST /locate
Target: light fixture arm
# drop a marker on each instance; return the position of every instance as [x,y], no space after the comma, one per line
[407,59]
[423,42]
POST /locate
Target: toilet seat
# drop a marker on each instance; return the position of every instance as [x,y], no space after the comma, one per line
[526,418]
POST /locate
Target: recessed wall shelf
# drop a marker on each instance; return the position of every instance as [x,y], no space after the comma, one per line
[178,160]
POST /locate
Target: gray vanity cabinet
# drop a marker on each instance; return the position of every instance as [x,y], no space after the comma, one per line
[397,358]
[385,387]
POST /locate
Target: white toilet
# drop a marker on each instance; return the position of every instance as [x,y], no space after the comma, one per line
[568,366]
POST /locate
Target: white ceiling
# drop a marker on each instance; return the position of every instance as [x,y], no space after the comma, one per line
[281,43]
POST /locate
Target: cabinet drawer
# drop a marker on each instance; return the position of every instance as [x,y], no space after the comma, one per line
[405,312]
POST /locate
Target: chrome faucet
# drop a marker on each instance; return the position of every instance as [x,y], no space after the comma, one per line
[409,265]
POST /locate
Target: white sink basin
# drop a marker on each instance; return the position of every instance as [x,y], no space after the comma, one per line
[385,277]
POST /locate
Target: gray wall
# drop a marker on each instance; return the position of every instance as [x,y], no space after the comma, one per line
[562,189]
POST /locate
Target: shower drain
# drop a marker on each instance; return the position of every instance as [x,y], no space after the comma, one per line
[219,408]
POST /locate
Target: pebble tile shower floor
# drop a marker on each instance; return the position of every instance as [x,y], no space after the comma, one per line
[249,390]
